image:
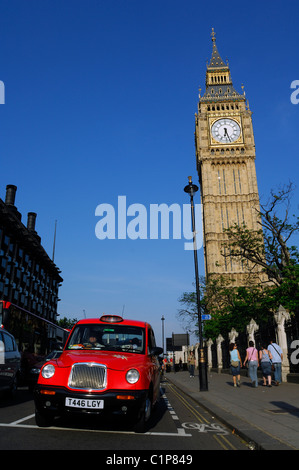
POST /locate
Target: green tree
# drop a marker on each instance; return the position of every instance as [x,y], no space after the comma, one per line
[187,313]
[67,322]
[268,247]
[229,307]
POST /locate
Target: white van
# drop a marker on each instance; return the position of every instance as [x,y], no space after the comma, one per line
[10,362]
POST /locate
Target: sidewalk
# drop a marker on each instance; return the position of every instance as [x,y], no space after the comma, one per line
[266,417]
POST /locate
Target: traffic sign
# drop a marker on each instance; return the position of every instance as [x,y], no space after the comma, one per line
[206,317]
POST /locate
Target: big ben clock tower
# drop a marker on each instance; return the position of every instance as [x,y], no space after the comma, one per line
[225,155]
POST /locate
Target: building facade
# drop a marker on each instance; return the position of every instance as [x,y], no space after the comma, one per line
[225,155]
[28,277]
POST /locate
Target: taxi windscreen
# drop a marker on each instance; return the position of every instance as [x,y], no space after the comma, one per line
[108,338]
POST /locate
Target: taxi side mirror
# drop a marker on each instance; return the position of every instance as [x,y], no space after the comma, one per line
[156,351]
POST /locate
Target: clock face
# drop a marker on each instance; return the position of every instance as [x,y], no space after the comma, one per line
[226,130]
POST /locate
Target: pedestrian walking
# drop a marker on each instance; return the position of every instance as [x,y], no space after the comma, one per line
[277,358]
[235,364]
[253,363]
[266,365]
[191,363]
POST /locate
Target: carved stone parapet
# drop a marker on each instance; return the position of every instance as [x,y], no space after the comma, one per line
[252,328]
[219,340]
[281,315]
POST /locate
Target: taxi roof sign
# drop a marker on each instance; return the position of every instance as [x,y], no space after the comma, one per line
[111,318]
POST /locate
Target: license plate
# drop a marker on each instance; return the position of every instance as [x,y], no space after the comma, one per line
[83,403]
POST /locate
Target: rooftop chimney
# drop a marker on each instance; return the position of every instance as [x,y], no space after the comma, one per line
[10,200]
[10,194]
[31,218]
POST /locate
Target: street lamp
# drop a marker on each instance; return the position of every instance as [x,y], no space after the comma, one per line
[162,319]
[191,189]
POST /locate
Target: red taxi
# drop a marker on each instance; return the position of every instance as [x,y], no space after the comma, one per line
[108,365]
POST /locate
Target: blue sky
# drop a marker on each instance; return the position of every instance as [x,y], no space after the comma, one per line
[100,99]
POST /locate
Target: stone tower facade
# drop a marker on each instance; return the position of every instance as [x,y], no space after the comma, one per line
[225,155]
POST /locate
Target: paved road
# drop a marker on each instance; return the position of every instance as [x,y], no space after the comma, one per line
[177,423]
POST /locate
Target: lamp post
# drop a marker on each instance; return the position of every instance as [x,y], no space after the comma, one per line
[191,189]
[162,319]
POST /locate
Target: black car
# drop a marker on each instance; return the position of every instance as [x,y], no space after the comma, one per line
[10,362]
[35,370]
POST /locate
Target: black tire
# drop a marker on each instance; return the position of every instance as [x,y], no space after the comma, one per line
[43,420]
[13,389]
[145,414]
[11,393]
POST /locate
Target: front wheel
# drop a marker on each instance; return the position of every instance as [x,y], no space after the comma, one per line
[144,416]
[13,388]
[43,420]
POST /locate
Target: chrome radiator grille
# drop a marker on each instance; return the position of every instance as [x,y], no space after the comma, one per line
[88,376]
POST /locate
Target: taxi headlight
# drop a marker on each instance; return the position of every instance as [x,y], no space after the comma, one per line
[132,376]
[48,371]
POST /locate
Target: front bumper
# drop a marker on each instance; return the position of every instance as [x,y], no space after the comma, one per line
[122,402]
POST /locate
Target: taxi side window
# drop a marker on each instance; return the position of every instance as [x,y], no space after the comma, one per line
[151,340]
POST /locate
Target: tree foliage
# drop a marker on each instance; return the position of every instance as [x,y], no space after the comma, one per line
[229,307]
[268,247]
[67,322]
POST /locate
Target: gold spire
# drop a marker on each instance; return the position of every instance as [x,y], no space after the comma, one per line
[213,35]
[216,60]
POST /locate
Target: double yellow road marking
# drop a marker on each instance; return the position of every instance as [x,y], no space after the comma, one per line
[222,440]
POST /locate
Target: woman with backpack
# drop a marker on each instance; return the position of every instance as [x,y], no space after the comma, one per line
[266,365]
[235,363]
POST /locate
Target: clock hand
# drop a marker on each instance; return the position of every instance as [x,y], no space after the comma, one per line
[226,134]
